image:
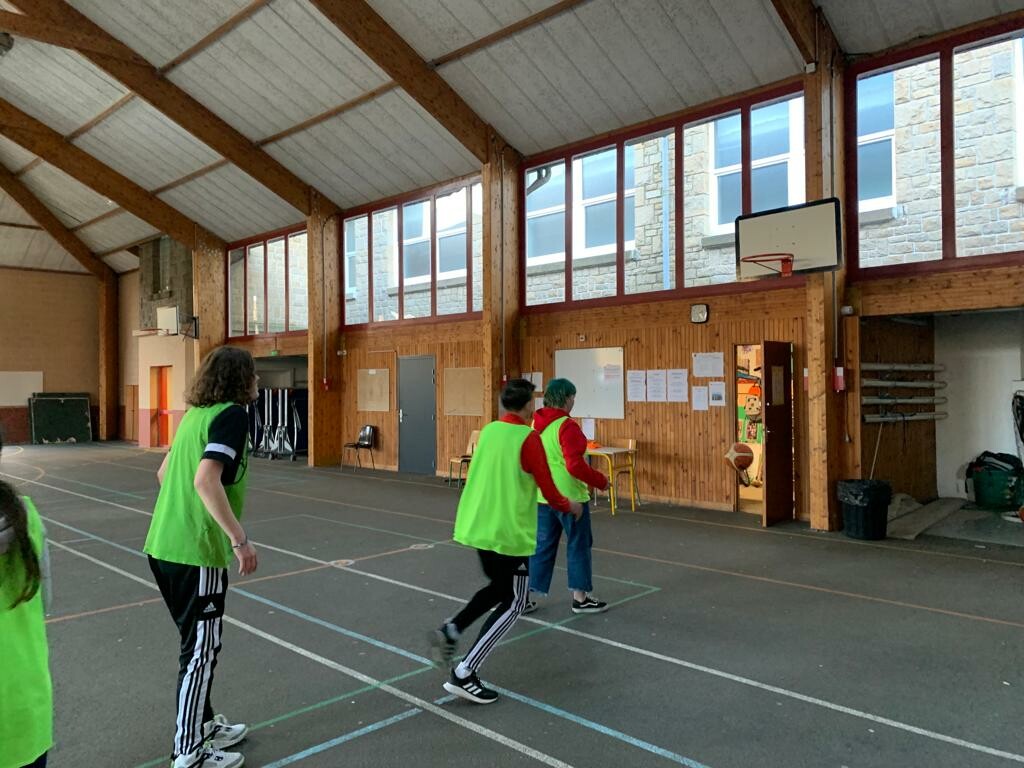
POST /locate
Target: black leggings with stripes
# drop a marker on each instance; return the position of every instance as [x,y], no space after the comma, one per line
[508,588]
[195,597]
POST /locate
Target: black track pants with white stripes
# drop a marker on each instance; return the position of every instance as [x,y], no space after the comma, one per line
[195,597]
[508,589]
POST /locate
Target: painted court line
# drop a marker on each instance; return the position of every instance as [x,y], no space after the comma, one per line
[398,693]
[108,609]
[415,657]
[654,655]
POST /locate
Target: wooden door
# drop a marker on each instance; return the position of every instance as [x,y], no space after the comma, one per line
[777,395]
[160,386]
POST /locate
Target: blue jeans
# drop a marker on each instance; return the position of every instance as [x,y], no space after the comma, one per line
[550,524]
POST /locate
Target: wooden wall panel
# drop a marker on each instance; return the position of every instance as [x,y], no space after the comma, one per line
[961,289]
[268,346]
[323,340]
[209,292]
[454,345]
[109,357]
[680,451]
[906,452]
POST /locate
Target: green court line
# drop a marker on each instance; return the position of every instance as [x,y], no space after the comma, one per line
[313,707]
[550,627]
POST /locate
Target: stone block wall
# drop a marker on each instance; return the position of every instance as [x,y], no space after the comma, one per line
[165,279]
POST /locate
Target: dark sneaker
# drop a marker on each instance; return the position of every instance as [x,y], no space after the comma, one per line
[589,604]
[471,689]
[531,606]
[442,644]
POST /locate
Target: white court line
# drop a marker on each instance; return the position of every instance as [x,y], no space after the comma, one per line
[416,701]
[642,652]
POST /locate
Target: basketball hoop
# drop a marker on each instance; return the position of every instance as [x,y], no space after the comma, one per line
[766,260]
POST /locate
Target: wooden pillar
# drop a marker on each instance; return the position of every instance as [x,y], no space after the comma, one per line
[324,336]
[110,346]
[501,270]
[209,293]
[823,124]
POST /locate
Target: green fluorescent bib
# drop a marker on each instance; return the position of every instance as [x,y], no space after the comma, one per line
[571,488]
[498,508]
[182,531]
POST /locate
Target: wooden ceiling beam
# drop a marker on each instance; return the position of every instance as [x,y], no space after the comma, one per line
[16,225]
[35,208]
[800,18]
[44,31]
[41,140]
[388,50]
[186,111]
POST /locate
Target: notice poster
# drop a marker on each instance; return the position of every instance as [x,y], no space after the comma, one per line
[656,387]
[708,365]
[636,386]
[678,385]
[717,393]
[700,398]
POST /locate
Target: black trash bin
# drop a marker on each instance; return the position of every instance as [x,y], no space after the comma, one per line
[865,508]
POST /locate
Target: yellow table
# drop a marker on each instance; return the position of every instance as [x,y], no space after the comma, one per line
[609,454]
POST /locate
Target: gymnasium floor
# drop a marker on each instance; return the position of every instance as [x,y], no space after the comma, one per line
[726,645]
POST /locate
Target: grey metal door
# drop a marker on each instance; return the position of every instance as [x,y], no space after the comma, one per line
[417,427]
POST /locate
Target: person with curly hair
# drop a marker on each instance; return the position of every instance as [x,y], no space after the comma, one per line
[193,538]
[26,692]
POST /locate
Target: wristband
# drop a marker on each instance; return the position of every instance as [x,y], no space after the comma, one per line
[240,544]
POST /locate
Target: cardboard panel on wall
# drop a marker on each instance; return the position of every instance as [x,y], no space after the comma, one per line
[373,389]
[463,391]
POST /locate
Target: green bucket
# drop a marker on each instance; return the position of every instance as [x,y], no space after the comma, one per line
[996,489]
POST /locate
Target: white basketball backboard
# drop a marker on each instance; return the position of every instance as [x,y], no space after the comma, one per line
[167,319]
[811,232]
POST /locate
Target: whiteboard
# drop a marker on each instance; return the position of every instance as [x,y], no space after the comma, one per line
[599,376]
[811,232]
[16,387]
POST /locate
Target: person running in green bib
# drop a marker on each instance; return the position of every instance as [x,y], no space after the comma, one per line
[565,446]
[193,538]
[497,515]
[26,692]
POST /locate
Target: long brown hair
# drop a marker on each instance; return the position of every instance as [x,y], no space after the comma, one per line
[225,376]
[22,558]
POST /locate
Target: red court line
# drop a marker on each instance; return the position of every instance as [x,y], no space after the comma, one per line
[69,616]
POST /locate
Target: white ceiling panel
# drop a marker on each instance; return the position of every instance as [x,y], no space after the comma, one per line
[868,26]
[437,27]
[146,146]
[12,213]
[115,232]
[72,202]
[159,30]
[122,261]
[282,66]
[12,156]
[231,204]
[55,86]
[385,147]
[610,63]
[34,249]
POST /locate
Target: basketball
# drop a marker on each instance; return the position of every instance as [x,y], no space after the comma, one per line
[740,455]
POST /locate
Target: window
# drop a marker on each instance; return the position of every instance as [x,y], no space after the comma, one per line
[419,255]
[649,215]
[276,293]
[545,234]
[298,283]
[988,90]
[256,290]
[876,142]
[267,286]
[594,228]
[236,292]
[356,252]
[777,155]
[899,158]
[727,179]
[452,248]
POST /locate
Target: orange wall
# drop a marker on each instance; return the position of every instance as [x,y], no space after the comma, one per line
[50,322]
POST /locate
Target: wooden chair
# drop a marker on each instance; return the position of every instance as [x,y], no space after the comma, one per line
[365,442]
[624,464]
[464,459]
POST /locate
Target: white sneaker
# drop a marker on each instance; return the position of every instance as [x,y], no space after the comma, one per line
[220,734]
[206,757]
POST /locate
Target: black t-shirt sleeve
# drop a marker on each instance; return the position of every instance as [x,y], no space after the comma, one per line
[226,440]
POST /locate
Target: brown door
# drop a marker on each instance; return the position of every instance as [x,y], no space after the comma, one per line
[163,408]
[777,375]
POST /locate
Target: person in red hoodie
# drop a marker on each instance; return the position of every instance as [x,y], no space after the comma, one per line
[565,444]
